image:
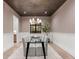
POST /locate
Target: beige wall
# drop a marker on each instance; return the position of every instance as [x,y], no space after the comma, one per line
[8,13]
[25,25]
[63,27]
[63,20]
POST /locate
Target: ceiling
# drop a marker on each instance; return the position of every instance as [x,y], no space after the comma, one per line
[35,7]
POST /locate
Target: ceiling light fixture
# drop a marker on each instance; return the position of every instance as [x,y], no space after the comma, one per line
[45,12]
[24,12]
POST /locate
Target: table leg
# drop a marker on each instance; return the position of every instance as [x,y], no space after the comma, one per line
[27,49]
[43,50]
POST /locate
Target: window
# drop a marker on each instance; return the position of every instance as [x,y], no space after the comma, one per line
[15,24]
[35,28]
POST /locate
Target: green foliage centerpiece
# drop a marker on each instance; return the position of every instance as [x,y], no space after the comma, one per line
[45,28]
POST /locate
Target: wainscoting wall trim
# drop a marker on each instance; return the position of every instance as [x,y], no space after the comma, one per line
[7,41]
[66,41]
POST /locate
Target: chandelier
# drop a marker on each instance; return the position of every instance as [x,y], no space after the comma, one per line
[35,21]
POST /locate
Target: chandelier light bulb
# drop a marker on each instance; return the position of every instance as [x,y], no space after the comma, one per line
[30,20]
[33,21]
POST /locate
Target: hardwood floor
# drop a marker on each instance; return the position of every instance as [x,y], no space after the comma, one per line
[61,52]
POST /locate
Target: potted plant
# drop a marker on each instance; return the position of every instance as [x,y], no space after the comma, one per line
[45,29]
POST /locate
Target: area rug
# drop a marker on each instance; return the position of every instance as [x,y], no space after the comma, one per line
[19,54]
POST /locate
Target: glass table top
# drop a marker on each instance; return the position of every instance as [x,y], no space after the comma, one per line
[37,39]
